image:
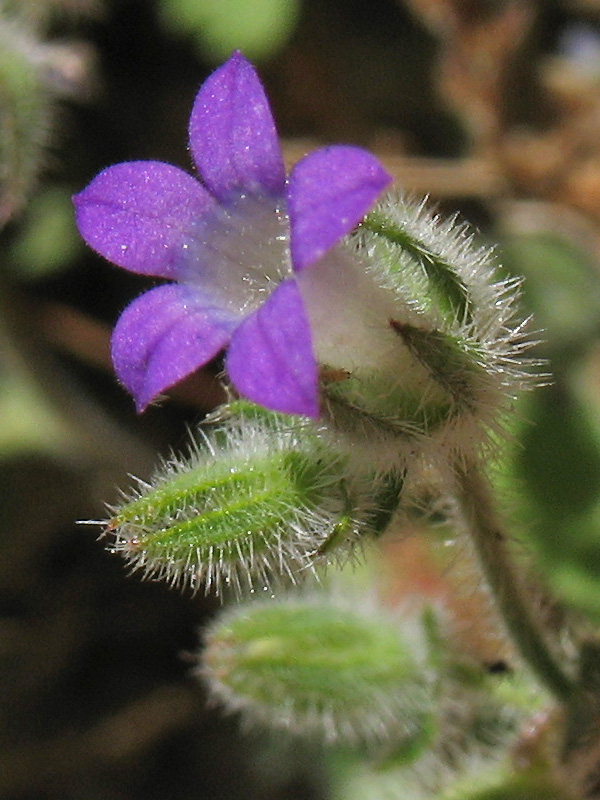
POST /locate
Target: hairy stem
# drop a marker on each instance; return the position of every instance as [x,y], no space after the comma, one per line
[513,604]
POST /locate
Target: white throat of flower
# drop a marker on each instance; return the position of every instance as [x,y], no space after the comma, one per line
[239,254]
[350,315]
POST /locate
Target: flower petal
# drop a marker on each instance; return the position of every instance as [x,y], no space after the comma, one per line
[233,138]
[164,335]
[271,360]
[329,192]
[138,214]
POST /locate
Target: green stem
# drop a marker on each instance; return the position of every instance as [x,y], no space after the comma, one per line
[518,615]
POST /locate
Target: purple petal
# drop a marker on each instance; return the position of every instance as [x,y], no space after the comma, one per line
[232,134]
[138,214]
[329,192]
[270,359]
[164,335]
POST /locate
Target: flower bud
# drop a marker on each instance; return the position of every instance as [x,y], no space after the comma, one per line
[312,666]
[25,116]
[261,496]
[441,352]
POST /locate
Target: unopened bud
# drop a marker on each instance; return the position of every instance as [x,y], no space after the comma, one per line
[313,666]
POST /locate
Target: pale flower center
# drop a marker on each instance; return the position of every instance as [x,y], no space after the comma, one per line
[237,255]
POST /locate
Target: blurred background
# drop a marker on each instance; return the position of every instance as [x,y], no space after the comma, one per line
[490,107]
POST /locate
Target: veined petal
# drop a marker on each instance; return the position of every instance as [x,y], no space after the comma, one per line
[138,214]
[164,335]
[233,138]
[270,358]
[329,192]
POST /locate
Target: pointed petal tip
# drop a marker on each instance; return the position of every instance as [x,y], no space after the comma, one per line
[232,134]
[300,405]
[304,403]
[308,408]
[239,57]
[141,402]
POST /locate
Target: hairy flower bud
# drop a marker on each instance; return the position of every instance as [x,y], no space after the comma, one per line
[443,341]
[24,116]
[261,496]
[313,666]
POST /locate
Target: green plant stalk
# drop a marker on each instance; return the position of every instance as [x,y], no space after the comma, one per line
[491,545]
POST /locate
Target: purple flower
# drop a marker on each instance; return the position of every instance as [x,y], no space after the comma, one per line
[232,244]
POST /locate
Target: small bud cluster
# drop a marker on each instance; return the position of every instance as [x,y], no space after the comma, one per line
[418,386]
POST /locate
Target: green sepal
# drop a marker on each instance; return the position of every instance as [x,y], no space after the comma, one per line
[454,362]
[529,785]
[448,287]
[372,406]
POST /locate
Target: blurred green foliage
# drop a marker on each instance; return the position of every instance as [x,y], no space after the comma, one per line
[260,28]
[562,289]
[554,458]
[47,240]
[29,423]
